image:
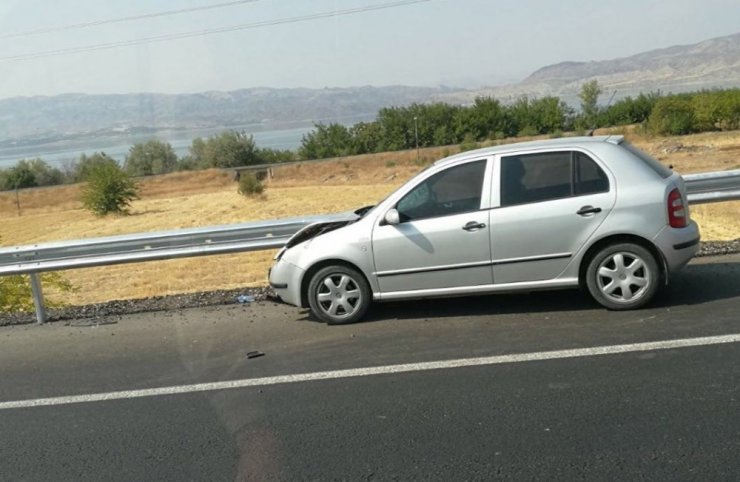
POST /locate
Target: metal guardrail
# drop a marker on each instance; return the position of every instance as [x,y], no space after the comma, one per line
[232,238]
[131,248]
[710,187]
[180,243]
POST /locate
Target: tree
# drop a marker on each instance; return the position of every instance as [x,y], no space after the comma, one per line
[589,95]
[30,173]
[151,157]
[673,115]
[273,156]
[548,114]
[87,164]
[484,119]
[228,149]
[108,190]
[45,174]
[326,140]
[366,137]
[630,110]
[20,176]
[397,129]
[528,117]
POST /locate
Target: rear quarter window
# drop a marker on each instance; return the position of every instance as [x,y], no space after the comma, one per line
[660,169]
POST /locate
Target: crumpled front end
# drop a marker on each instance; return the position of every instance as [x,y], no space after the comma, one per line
[285,279]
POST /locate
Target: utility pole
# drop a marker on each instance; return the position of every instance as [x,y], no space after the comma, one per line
[17,199]
[416,135]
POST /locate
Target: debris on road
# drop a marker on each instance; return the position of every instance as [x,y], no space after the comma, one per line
[254,354]
[92,322]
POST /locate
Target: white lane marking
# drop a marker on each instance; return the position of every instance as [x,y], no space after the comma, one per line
[380,370]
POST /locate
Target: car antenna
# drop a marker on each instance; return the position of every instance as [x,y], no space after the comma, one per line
[593,128]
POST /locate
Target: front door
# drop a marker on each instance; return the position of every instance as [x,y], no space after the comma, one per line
[442,239]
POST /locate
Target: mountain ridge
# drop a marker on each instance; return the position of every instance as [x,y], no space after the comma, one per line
[712,63]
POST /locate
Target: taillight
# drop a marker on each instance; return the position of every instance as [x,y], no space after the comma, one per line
[677,215]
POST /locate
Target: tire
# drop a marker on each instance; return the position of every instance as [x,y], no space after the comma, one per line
[339,295]
[623,276]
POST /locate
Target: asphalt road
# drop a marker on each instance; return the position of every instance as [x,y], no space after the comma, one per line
[663,414]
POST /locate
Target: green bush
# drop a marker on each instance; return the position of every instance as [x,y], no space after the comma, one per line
[249,185]
[672,116]
[468,143]
[228,149]
[528,131]
[149,158]
[16,293]
[108,190]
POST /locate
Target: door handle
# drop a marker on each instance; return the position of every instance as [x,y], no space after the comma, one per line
[473,226]
[588,210]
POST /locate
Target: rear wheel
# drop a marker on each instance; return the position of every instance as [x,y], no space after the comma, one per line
[623,276]
[338,295]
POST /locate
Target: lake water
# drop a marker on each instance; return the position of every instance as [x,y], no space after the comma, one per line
[56,156]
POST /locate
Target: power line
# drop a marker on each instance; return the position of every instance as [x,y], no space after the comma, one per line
[211,31]
[95,23]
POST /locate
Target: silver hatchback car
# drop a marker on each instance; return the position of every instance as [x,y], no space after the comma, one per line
[593,212]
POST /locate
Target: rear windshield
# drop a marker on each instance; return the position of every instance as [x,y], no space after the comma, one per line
[662,170]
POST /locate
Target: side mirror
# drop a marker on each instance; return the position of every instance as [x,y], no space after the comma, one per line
[392,217]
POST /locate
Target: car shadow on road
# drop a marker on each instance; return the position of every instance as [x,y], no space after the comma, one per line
[695,284]
[701,283]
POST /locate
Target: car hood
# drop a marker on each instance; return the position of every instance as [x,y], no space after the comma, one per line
[315,229]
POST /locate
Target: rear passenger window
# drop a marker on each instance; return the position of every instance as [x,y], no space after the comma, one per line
[545,176]
[589,177]
[535,177]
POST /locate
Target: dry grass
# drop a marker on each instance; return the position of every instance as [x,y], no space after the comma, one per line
[178,276]
[204,198]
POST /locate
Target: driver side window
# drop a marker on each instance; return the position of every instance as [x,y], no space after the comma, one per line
[453,191]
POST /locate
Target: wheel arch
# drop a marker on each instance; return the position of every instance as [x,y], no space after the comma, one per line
[616,239]
[314,268]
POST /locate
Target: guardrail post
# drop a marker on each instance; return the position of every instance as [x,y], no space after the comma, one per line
[38,298]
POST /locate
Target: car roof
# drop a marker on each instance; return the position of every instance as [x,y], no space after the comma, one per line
[560,142]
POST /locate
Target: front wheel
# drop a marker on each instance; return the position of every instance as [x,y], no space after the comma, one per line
[623,276]
[338,295]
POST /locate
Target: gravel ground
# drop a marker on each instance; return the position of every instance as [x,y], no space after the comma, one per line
[715,248]
[100,313]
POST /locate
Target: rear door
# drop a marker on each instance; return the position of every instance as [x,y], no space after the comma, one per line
[549,205]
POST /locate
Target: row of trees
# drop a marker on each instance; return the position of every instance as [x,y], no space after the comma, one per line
[228,149]
[437,124]
[398,128]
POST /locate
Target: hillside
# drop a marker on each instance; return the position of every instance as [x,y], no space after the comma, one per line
[69,114]
[681,68]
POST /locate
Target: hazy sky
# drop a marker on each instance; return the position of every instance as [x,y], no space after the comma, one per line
[453,42]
